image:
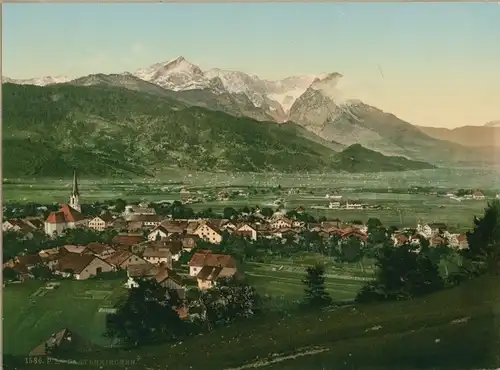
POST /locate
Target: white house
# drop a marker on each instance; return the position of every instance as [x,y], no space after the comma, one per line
[246,228]
[281,223]
[209,233]
[478,196]
[158,231]
[123,259]
[157,256]
[101,223]
[136,210]
[200,260]
[81,266]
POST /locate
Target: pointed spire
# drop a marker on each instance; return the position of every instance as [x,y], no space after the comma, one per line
[75,184]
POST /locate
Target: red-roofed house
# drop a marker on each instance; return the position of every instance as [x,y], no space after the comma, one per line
[128,240]
[82,266]
[65,218]
[200,260]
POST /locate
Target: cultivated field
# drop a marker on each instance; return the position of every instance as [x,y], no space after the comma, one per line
[284,287]
[397,209]
[32,313]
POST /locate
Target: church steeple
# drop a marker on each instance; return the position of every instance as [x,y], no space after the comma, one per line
[75,185]
[74,199]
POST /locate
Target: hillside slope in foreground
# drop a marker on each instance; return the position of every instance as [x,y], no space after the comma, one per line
[457,328]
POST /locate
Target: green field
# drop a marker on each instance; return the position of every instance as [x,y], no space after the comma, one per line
[398,209]
[284,287]
[452,329]
[463,319]
[32,313]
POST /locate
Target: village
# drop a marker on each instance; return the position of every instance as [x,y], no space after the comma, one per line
[182,254]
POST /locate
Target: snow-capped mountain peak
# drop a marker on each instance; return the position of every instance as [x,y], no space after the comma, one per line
[43,81]
[177,74]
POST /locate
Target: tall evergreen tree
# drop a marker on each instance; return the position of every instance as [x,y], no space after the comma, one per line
[315,292]
[483,254]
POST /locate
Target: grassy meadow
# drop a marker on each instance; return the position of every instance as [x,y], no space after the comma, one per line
[32,313]
[452,329]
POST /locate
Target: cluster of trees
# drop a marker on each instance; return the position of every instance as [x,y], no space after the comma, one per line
[15,243]
[408,271]
[149,313]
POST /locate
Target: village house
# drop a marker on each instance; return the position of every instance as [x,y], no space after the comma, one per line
[400,239]
[81,266]
[120,224]
[354,233]
[44,253]
[334,205]
[146,221]
[458,241]
[281,223]
[228,226]
[102,222]
[127,240]
[463,243]
[51,256]
[134,226]
[159,232]
[158,255]
[189,242]
[209,233]
[206,258]
[133,210]
[208,276]
[24,262]
[17,225]
[247,230]
[175,247]
[283,233]
[223,195]
[123,258]
[353,205]
[478,196]
[62,344]
[164,275]
[436,241]
[35,222]
[65,218]
[178,227]
[76,249]
[102,251]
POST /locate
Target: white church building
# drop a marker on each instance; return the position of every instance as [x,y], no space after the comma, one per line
[69,216]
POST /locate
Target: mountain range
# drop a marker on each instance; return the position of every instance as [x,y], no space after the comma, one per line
[107,130]
[312,106]
[487,136]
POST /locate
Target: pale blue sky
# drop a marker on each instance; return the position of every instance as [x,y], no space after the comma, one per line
[435,64]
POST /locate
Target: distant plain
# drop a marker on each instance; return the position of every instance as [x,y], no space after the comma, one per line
[385,189]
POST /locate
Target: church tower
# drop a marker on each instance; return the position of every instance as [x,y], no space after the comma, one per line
[74,199]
